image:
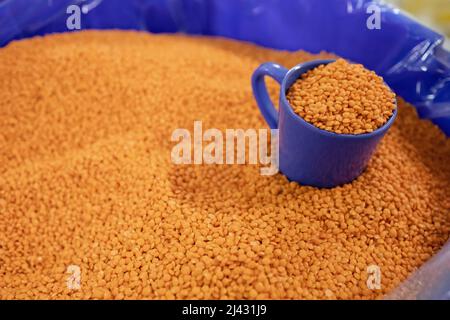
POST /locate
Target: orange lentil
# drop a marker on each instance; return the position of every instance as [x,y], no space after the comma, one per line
[86,180]
[343,98]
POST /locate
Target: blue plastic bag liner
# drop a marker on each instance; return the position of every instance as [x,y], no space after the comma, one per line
[430,282]
[407,54]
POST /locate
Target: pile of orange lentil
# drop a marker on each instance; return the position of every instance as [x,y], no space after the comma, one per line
[342,97]
[86,181]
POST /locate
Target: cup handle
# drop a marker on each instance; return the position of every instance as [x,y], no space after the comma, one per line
[265,105]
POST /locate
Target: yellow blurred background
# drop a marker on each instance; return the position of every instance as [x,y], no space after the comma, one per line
[433,13]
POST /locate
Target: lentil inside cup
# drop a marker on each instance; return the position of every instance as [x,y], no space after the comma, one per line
[342,97]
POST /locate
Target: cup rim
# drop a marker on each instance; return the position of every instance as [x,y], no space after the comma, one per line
[309,65]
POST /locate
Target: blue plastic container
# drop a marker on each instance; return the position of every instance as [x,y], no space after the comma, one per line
[408,55]
[309,155]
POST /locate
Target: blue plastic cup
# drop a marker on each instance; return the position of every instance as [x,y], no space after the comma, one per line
[307,154]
